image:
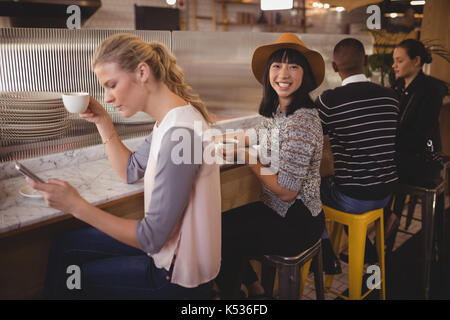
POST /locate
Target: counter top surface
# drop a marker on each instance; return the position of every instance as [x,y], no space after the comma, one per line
[88,170]
[96,181]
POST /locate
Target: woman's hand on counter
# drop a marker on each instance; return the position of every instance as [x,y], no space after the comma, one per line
[59,195]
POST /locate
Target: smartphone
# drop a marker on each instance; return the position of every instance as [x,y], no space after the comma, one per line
[26,172]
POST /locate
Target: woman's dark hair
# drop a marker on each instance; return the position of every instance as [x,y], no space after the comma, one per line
[301,98]
[415,48]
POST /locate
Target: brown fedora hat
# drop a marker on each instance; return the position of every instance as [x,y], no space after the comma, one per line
[288,40]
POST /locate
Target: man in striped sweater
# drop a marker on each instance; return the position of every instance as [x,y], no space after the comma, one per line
[360,118]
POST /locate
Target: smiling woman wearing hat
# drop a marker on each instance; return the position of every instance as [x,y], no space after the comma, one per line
[288,218]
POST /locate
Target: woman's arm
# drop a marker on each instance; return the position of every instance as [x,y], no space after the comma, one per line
[61,195]
[270,181]
[171,191]
[302,137]
[118,153]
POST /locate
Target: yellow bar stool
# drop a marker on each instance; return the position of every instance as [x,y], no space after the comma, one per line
[357,231]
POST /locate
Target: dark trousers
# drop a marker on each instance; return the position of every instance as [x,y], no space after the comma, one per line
[109,269]
[255,229]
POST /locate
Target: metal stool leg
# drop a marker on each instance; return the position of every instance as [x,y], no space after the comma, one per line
[411,208]
[381,257]
[335,238]
[440,239]
[428,210]
[289,282]
[318,276]
[356,250]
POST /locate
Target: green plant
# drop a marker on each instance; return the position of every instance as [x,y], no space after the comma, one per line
[381,62]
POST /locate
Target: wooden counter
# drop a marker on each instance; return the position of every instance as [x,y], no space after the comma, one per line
[24,252]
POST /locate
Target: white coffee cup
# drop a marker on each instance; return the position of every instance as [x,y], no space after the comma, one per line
[76,102]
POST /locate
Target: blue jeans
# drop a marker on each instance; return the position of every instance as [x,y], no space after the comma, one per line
[109,269]
[331,197]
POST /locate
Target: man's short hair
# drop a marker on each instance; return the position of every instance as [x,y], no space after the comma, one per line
[352,43]
[349,54]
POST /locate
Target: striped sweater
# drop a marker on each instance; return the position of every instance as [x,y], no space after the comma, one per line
[361,119]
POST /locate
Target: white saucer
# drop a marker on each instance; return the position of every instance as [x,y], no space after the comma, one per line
[29,192]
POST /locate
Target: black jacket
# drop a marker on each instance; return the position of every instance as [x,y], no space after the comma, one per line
[420,104]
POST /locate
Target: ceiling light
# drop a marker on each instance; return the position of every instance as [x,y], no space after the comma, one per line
[417,3]
[276,4]
[394,15]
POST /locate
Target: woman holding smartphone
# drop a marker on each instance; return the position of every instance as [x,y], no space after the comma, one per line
[135,259]
[289,218]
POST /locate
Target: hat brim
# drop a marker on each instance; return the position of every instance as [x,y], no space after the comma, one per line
[262,54]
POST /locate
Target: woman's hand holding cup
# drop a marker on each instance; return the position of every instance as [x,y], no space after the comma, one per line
[95,112]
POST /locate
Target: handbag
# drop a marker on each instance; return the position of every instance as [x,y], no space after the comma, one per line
[420,169]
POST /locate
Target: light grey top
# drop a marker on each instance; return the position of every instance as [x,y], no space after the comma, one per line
[172,187]
[295,152]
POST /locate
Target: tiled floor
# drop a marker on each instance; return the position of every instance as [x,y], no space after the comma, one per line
[340,282]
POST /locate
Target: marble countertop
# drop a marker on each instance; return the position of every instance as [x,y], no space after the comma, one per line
[87,169]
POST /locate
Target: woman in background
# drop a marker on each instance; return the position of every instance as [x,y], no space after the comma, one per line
[418,135]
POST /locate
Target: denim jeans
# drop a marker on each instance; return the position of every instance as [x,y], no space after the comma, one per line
[109,269]
[330,196]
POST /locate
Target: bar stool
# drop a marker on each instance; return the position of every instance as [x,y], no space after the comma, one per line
[413,201]
[357,231]
[428,197]
[289,277]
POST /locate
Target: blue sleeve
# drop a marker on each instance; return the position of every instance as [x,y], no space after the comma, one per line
[171,191]
[137,162]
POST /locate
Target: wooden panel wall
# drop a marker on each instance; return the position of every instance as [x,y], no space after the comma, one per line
[435,26]
[24,255]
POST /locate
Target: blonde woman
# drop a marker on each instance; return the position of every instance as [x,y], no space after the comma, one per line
[121,258]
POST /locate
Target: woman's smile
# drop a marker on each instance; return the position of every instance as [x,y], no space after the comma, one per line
[285,79]
[284,85]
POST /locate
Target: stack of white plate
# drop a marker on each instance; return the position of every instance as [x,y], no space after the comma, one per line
[32,115]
